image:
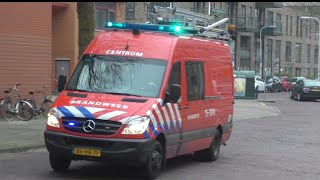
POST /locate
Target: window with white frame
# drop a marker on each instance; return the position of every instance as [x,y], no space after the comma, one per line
[288,51]
[103,12]
[308,53]
[130,10]
[298,52]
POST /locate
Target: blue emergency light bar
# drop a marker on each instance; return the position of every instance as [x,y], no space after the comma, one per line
[151,27]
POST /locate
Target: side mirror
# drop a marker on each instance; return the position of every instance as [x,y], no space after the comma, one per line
[175,92]
[61,83]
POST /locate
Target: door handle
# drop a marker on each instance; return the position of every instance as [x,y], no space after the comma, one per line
[186,107]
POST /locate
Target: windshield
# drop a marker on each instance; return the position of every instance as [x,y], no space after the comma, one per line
[312,83]
[294,80]
[118,75]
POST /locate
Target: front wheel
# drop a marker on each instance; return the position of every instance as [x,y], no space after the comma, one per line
[46,107]
[58,162]
[154,164]
[25,111]
[6,106]
[291,95]
[299,97]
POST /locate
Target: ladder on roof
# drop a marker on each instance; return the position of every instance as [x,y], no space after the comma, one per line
[203,23]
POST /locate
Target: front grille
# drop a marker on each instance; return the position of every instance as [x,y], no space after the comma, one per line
[102,127]
[86,142]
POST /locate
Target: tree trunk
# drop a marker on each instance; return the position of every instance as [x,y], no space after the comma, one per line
[86,24]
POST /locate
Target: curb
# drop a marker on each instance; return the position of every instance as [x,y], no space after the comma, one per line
[21,149]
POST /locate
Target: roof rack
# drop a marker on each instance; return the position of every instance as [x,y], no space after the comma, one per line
[178,21]
[204,24]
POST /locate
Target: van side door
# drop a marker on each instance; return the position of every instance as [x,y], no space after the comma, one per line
[194,126]
[173,115]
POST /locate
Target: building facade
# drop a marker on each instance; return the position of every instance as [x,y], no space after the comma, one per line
[38,42]
[287,44]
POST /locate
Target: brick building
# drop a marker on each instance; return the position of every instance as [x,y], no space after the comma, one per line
[38,41]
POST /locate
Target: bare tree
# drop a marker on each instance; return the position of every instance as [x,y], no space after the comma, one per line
[86,24]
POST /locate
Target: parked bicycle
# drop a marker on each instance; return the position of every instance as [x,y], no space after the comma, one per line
[45,104]
[22,109]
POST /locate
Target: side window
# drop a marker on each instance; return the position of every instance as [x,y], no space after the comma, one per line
[174,76]
[299,83]
[195,81]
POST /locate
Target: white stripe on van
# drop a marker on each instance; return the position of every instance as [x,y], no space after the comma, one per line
[60,114]
[178,113]
[74,111]
[93,110]
[153,119]
[166,115]
[155,107]
[111,115]
[172,114]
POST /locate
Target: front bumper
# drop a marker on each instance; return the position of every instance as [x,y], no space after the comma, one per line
[133,151]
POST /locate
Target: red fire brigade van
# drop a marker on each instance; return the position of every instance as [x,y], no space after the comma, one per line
[141,95]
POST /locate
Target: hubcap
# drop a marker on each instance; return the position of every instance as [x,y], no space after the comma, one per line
[156,160]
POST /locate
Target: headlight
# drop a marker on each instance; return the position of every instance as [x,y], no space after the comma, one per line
[136,126]
[53,119]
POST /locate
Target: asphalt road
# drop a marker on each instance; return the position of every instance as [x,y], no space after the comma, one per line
[286,146]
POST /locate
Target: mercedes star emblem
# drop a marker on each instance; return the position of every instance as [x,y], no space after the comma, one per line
[89,126]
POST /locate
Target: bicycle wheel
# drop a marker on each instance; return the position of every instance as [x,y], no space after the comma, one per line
[46,107]
[6,105]
[25,111]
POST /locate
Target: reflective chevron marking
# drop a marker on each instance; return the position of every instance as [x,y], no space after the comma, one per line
[110,115]
[86,112]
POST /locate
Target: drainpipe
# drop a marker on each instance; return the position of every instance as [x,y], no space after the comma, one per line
[209,10]
[171,4]
[235,41]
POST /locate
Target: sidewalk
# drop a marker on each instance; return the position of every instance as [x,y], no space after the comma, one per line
[19,136]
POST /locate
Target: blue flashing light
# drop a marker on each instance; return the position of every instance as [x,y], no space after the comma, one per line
[150,27]
[71,124]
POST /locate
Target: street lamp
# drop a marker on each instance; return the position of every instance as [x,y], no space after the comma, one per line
[307,17]
[261,48]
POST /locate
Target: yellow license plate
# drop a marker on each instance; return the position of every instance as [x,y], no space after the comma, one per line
[87,152]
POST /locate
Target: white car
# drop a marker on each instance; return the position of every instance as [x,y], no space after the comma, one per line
[258,83]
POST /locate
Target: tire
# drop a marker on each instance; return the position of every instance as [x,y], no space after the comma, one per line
[291,95]
[45,107]
[299,97]
[25,111]
[59,163]
[153,167]
[6,105]
[212,153]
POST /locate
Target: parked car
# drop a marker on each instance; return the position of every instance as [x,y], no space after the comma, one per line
[259,84]
[306,89]
[293,80]
[273,84]
[285,83]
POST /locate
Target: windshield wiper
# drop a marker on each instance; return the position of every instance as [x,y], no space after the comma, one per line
[126,94]
[78,90]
